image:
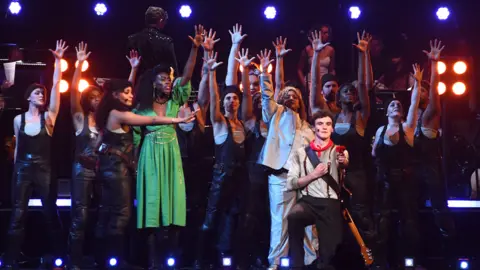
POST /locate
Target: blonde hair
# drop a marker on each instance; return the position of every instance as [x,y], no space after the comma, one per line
[283,96]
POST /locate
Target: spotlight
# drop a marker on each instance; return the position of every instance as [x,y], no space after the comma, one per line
[284,262]
[227,261]
[442,88]
[63,86]
[63,65]
[100,9]
[185,11]
[85,65]
[443,13]
[0,263]
[270,12]
[171,262]
[463,264]
[354,12]
[58,262]
[15,7]
[82,85]
[441,67]
[409,262]
[459,88]
[112,262]
[460,67]
[270,68]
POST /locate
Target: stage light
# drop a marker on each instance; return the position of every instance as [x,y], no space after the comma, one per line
[82,85]
[284,262]
[459,88]
[227,261]
[185,11]
[443,13]
[63,65]
[441,67]
[58,262]
[409,262]
[171,262]
[0,263]
[100,9]
[270,68]
[441,88]
[463,264]
[112,262]
[460,67]
[15,7]
[85,65]
[63,86]
[354,12]
[270,12]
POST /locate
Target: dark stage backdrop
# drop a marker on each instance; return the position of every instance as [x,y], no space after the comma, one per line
[41,22]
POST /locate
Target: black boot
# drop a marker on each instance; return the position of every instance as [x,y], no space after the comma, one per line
[153,254]
[100,255]
[117,251]
[200,250]
[13,250]
[76,254]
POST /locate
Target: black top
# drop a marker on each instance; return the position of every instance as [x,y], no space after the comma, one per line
[122,142]
[393,156]
[254,143]
[424,147]
[355,144]
[155,47]
[33,148]
[85,142]
[230,153]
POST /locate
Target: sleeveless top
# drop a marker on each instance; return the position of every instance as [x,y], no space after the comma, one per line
[424,147]
[393,156]
[356,145]
[254,143]
[230,153]
[85,142]
[122,142]
[33,148]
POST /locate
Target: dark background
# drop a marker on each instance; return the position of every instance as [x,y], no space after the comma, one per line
[40,23]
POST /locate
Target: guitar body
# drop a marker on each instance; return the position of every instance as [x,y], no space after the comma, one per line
[364,250]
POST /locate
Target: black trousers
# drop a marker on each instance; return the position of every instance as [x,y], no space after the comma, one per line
[32,177]
[83,187]
[223,208]
[326,214]
[428,172]
[356,182]
[115,207]
[397,188]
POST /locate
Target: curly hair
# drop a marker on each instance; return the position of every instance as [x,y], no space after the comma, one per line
[85,97]
[283,96]
[109,102]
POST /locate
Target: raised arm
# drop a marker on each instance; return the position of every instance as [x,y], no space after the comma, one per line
[16,128]
[134,60]
[54,105]
[215,114]
[280,52]
[269,105]
[203,94]
[192,58]
[75,95]
[433,108]
[300,67]
[362,47]
[232,66]
[331,65]
[415,99]
[129,118]
[316,98]
[247,104]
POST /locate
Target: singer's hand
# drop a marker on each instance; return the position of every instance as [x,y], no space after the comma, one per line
[320,170]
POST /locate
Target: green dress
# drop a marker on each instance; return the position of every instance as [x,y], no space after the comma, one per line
[161,199]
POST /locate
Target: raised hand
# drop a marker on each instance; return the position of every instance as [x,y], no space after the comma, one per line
[435,49]
[236,35]
[243,58]
[280,45]
[363,41]
[134,59]
[265,59]
[199,34]
[82,54]
[211,61]
[316,41]
[60,50]
[417,73]
[210,41]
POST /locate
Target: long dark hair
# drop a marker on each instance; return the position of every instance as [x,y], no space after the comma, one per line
[85,97]
[109,102]
[144,91]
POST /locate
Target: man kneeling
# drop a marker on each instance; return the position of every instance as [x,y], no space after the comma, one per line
[312,168]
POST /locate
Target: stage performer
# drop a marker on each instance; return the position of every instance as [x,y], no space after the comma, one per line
[392,149]
[349,129]
[160,178]
[319,203]
[32,169]
[116,165]
[427,147]
[287,130]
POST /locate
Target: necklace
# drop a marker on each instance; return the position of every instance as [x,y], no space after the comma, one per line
[161,102]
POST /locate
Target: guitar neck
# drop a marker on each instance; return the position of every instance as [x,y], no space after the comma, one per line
[354,229]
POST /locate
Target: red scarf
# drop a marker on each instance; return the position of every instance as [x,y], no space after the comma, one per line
[319,150]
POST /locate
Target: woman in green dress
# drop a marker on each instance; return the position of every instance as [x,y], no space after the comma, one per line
[160,180]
